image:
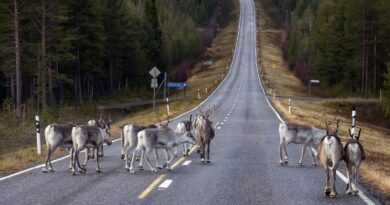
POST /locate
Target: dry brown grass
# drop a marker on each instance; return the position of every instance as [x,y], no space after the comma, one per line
[376,168]
[220,52]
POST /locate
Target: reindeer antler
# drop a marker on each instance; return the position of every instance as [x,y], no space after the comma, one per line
[101,114]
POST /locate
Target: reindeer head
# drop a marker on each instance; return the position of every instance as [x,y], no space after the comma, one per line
[353,136]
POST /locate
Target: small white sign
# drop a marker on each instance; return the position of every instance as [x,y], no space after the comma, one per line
[154,72]
[154,83]
[314,81]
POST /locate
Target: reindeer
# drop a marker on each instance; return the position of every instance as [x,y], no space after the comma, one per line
[330,153]
[57,135]
[159,138]
[204,132]
[85,136]
[354,155]
[299,134]
[184,126]
[103,123]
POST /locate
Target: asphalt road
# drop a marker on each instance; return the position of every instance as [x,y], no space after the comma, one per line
[245,166]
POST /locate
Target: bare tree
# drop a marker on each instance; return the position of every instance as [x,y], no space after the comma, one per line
[17,61]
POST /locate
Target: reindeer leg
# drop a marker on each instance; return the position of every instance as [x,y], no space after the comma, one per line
[157,160]
[125,157]
[355,178]
[202,150]
[172,157]
[44,169]
[327,189]
[71,158]
[208,152]
[285,152]
[123,145]
[350,175]
[167,157]
[97,159]
[333,192]
[84,165]
[141,159]
[100,150]
[147,153]
[300,163]
[133,159]
[312,155]
[281,152]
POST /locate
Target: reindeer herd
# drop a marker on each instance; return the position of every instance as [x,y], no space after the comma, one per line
[140,140]
[330,152]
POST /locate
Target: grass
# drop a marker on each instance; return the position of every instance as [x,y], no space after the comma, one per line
[375,139]
[19,152]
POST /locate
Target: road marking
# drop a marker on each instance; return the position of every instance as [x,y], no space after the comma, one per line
[224,120]
[165,184]
[161,177]
[151,187]
[218,128]
[186,163]
[221,123]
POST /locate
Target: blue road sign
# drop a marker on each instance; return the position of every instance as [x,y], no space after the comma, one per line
[176,84]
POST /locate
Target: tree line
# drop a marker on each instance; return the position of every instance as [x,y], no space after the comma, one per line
[54,52]
[344,44]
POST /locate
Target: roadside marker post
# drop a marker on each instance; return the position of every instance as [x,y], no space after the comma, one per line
[353,121]
[154,72]
[38,127]
[198,94]
[289,106]
[206,89]
[167,99]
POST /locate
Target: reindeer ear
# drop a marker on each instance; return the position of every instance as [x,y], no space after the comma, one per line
[350,134]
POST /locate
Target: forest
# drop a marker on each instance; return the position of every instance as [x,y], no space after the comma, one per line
[343,43]
[55,52]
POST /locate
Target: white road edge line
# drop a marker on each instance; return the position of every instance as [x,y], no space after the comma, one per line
[341,176]
[204,101]
[165,184]
[186,163]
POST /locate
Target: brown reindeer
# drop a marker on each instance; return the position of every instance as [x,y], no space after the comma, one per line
[204,132]
[330,153]
[354,155]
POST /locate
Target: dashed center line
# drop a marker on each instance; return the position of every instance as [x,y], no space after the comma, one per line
[165,184]
[218,128]
[186,163]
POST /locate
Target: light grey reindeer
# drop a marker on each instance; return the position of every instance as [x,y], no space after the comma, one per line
[184,126]
[57,135]
[159,138]
[85,136]
[354,155]
[309,136]
[204,132]
[105,124]
[129,138]
[330,153]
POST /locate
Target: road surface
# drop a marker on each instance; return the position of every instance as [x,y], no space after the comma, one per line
[245,165]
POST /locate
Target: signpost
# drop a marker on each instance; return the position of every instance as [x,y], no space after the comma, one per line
[313,81]
[154,72]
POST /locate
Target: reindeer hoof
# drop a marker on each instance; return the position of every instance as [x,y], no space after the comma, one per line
[300,164]
[159,167]
[327,191]
[198,151]
[349,192]
[208,161]
[44,170]
[333,195]
[122,156]
[285,162]
[355,193]
[101,155]
[154,170]
[98,171]
[140,168]
[165,164]
[315,164]
[131,171]
[281,162]
[73,172]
